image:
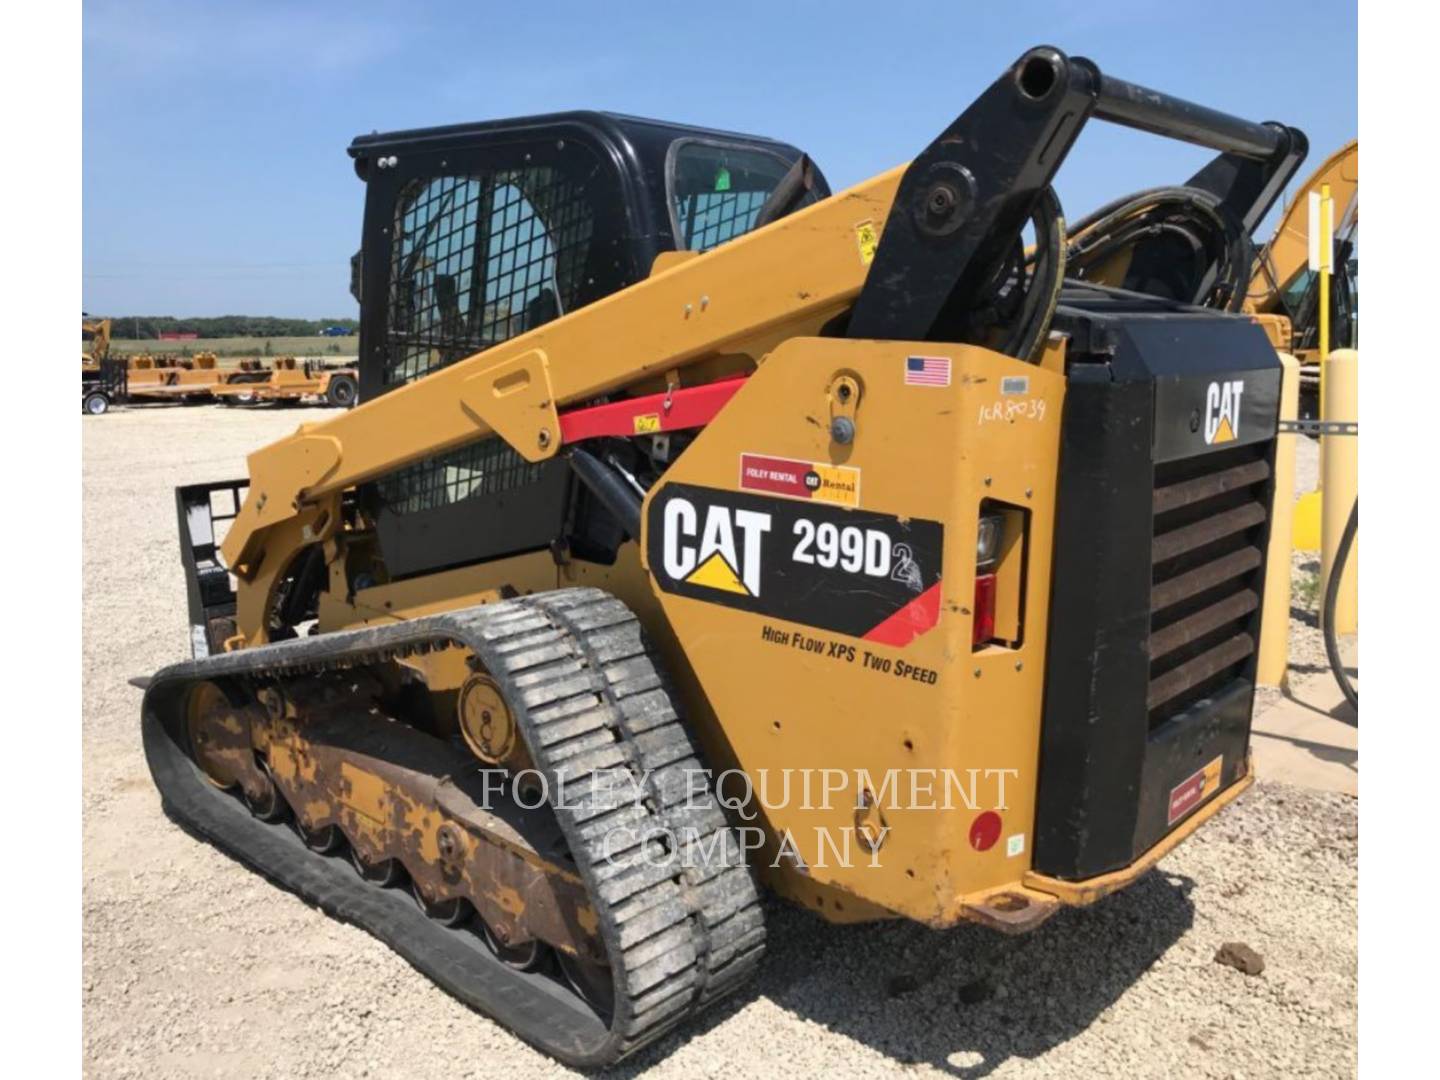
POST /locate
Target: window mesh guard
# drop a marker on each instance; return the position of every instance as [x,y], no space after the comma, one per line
[487,467]
[477,260]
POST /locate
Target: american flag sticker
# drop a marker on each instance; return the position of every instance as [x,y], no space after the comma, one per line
[927,371]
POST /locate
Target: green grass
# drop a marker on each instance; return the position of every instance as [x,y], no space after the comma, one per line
[1305,587]
[241,347]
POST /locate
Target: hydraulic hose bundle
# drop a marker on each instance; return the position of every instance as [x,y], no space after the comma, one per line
[1193,217]
[1023,308]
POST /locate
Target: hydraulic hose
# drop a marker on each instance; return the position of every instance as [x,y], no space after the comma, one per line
[1332,594]
[1190,214]
[1027,307]
[606,484]
[1043,295]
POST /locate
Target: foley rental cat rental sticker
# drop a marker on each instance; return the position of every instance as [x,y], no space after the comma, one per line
[818,481]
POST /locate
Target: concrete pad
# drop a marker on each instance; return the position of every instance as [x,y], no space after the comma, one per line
[1308,737]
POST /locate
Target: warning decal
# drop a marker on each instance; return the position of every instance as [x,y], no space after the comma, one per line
[867,239]
[1194,790]
[867,575]
[817,480]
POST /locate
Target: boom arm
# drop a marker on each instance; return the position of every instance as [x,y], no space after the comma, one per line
[99,331]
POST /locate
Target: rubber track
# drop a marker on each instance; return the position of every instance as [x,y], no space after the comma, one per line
[586,691]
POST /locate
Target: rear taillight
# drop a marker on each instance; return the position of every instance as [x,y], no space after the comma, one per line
[984,609]
[987,553]
[987,541]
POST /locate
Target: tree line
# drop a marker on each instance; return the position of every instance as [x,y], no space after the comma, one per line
[150,327]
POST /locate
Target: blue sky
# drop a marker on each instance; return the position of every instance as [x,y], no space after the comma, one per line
[216,180]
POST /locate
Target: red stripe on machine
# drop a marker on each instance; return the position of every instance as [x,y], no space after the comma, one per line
[688,407]
[910,621]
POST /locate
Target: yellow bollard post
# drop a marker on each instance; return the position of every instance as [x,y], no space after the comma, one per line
[1327,254]
[1341,482]
[1309,513]
[1275,606]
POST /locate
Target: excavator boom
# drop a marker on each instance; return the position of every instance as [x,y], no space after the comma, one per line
[1286,256]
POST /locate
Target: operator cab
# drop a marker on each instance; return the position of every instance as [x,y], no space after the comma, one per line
[476,233]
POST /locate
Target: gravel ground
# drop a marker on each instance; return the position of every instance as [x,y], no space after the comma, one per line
[193,966]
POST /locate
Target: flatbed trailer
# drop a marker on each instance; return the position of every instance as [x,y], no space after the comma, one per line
[292,380]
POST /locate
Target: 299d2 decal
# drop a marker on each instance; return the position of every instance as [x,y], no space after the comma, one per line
[868,575]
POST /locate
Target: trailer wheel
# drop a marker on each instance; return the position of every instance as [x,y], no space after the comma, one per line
[342,392]
[96,404]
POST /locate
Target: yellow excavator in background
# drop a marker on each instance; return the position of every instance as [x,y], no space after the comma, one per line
[102,380]
[1283,283]
[95,341]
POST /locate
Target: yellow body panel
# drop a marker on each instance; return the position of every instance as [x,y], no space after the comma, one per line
[923,452]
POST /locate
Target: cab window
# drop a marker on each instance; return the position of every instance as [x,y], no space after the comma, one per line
[717,190]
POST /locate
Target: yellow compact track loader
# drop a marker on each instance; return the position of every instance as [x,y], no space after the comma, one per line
[701,529]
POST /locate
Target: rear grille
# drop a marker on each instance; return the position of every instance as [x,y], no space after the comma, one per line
[1206,555]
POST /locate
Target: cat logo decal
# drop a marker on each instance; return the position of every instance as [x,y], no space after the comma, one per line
[1222,411]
